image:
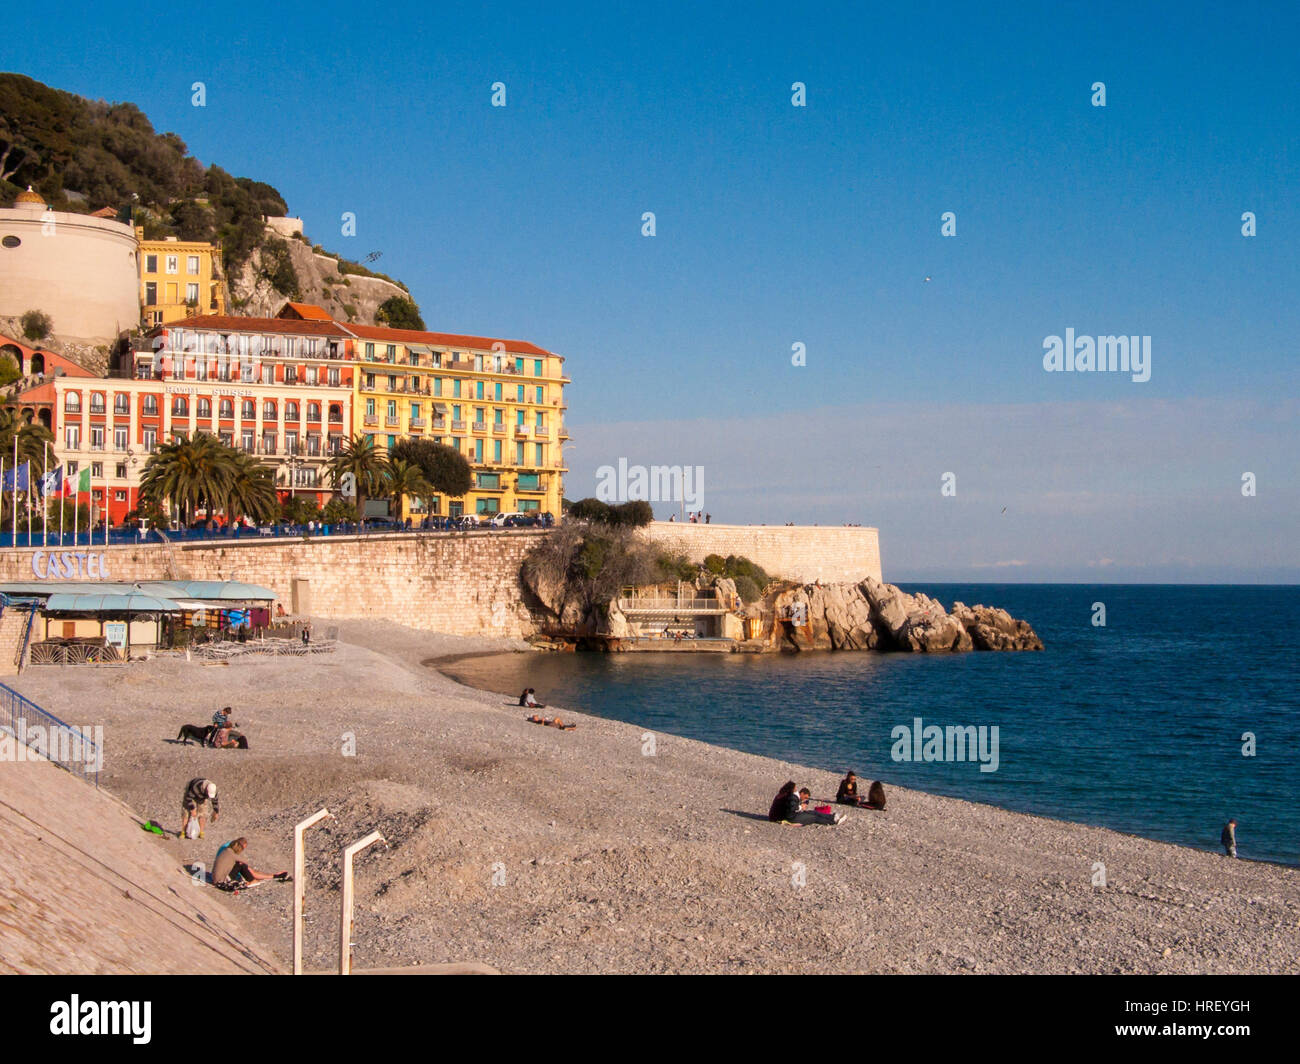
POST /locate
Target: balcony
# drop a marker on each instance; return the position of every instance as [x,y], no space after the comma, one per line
[480,426]
[523,432]
[370,421]
[461,367]
[458,426]
[439,423]
[417,424]
[498,428]
[392,422]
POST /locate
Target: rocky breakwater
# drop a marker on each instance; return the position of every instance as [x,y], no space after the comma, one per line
[876,616]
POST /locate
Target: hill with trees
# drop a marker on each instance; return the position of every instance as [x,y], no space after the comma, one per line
[83,155]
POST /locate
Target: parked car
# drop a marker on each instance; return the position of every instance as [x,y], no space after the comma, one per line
[503,520]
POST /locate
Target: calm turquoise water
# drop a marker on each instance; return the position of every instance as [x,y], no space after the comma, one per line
[1135,726]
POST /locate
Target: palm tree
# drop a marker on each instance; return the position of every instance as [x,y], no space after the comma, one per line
[405,478]
[250,490]
[190,471]
[359,458]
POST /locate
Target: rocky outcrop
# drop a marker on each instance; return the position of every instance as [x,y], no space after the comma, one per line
[994,629]
[348,297]
[878,616]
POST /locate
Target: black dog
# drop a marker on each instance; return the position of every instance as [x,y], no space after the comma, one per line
[201,732]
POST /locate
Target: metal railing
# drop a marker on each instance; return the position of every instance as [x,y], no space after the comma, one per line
[68,747]
[669,605]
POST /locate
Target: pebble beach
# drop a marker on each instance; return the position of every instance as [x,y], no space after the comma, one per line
[607,850]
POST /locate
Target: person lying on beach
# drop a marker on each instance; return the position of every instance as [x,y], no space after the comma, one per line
[229,739]
[788,807]
[229,871]
[550,722]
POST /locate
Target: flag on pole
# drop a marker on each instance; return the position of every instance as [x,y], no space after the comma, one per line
[52,482]
[17,478]
[79,485]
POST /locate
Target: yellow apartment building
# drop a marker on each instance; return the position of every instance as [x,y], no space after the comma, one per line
[178,279]
[500,403]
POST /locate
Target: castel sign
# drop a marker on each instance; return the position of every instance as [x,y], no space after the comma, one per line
[70,565]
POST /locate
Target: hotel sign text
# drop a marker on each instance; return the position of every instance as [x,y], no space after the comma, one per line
[69,565]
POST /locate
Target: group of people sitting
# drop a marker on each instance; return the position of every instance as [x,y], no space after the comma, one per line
[791,806]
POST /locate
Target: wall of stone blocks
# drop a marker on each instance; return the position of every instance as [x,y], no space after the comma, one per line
[807,553]
[462,584]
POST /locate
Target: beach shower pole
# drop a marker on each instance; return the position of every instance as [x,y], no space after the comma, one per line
[345,929]
[299,873]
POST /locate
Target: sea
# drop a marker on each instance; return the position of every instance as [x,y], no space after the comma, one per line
[1156,710]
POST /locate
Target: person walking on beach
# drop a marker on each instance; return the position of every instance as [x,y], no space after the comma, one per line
[199,798]
[1229,838]
[306,633]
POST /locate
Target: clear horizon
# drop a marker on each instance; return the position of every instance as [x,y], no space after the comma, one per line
[819,225]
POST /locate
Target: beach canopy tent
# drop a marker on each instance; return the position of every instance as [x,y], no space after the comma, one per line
[109,603]
[80,609]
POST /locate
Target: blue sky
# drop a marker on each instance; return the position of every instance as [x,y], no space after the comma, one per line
[819,225]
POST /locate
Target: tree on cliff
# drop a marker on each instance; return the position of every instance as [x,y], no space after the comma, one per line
[359,460]
[632,514]
[398,312]
[445,468]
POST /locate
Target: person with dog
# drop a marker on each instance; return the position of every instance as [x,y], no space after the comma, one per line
[230,871]
[199,799]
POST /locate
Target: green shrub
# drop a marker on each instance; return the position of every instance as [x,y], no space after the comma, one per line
[716,563]
[747,589]
[36,325]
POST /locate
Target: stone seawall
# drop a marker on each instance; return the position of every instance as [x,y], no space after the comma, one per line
[805,553]
[458,583]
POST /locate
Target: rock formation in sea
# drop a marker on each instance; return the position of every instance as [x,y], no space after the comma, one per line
[869,615]
[876,616]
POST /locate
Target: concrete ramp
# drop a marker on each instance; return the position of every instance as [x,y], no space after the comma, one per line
[85,891]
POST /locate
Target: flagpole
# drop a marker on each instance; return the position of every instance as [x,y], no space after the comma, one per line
[76,510]
[2,492]
[29,502]
[45,499]
[15,489]
[61,501]
[106,521]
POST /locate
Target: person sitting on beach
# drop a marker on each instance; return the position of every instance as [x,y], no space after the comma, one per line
[528,698]
[200,796]
[229,871]
[875,796]
[848,792]
[788,807]
[221,717]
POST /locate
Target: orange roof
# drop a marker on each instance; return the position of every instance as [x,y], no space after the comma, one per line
[229,323]
[104,212]
[305,311]
[434,339]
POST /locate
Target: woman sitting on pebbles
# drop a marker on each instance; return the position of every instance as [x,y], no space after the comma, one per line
[790,807]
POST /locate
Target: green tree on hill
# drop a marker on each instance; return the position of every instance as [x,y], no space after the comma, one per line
[397,312]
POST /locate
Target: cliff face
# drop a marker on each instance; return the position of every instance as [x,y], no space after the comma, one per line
[878,616]
[348,297]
